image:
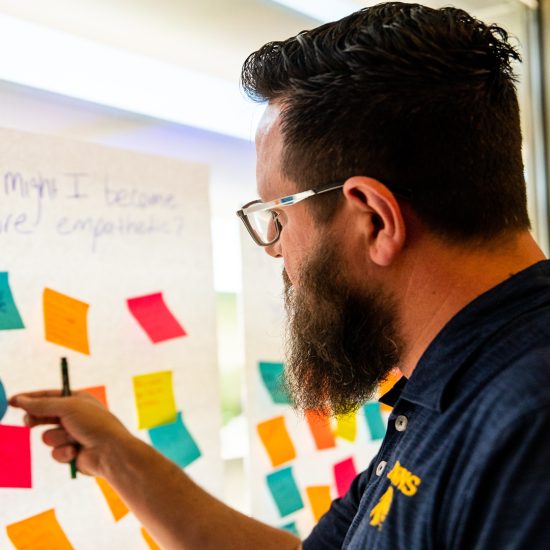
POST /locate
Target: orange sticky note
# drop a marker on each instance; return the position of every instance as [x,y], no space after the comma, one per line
[40,531]
[99,393]
[149,540]
[276,440]
[346,426]
[65,321]
[320,429]
[116,504]
[386,385]
[319,498]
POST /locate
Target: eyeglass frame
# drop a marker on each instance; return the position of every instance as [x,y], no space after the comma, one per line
[258,206]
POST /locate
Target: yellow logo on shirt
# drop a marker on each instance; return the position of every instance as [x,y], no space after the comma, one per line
[405,482]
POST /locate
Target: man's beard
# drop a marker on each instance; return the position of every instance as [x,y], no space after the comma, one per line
[341,342]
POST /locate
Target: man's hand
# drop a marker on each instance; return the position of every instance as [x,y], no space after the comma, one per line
[86,430]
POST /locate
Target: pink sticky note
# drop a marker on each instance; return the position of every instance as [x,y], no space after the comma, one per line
[15,456]
[344,474]
[155,318]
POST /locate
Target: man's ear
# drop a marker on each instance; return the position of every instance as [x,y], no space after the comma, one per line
[377,214]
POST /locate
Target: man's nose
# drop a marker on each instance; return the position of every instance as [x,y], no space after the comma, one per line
[274,249]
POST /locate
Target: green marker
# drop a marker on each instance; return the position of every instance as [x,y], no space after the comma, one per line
[66,392]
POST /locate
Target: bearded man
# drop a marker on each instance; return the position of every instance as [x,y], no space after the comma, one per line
[391,184]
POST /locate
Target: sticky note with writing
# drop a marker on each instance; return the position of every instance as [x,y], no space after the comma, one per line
[285,491]
[65,321]
[116,504]
[154,399]
[149,540]
[319,499]
[276,440]
[155,318]
[175,442]
[3,401]
[9,314]
[99,393]
[40,531]
[272,376]
[377,427]
[346,426]
[15,457]
[319,425]
[344,474]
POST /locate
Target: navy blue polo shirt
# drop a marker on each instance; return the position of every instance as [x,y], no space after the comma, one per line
[465,463]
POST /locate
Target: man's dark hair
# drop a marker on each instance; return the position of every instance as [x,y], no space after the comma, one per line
[415,97]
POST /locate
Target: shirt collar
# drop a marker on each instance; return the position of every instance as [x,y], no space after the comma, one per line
[467,332]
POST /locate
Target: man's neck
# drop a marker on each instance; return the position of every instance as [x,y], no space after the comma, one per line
[434,290]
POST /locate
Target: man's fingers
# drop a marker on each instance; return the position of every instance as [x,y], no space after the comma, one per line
[65,453]
[40,406]
[38,393]
[56,437]
[32,421]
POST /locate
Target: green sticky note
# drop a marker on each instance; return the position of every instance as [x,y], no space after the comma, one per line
[3,401]
[285,491]
[9,314]
[291,528]
[272,376]
[377,427]
[175,442]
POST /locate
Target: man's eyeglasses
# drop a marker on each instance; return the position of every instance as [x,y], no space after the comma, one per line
[261,221]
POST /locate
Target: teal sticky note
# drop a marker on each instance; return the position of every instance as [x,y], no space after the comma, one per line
[175,442]
[3,401]
[285,491]
[377,427]
[291,528]
[272,376]
[9,314]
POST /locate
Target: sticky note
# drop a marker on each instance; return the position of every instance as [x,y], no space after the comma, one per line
[155,318]
[175,442]
[319,499]
[285,491]
[154,399]
[346,426]
[276,440]
[3,401]
[377,427]
[99,393]
[291,528]
[15,457]
[40,531]
[272,376]
[344,474]
[9,314]
[116,504]
[65,321]
[386,385]
[149,540]
[320,429]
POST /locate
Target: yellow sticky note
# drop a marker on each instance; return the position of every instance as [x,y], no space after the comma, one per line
[155,399]
[346,426]
[319,498]
[149,540]
[276,440]
[65,321]
[40,531]
[116,504]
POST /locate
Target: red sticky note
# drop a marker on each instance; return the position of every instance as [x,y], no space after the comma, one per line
[155,318]
[15,457]
[344,474]
[319,425]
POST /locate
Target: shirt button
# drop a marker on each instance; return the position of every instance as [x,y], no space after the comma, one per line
[401,423]
[380,468]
